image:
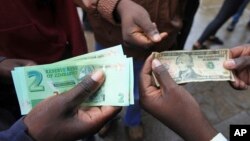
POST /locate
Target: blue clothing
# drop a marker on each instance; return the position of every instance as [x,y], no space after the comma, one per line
[239,13]
[228,8]
[17,132]
[133,112]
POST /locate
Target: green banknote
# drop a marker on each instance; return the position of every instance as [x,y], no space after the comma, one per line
[104,53]
[36,83]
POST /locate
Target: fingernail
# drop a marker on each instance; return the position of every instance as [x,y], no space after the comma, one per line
[97,75]
[230,63]
[156,37]
[156,63]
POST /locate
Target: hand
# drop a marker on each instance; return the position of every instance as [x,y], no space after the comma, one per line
[240,65]
[60,118]
[7,65]
[137,28]
[172,104]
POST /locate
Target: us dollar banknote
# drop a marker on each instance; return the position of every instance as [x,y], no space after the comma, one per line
[196,66]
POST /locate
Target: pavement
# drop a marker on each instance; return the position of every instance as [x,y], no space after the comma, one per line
[221,104]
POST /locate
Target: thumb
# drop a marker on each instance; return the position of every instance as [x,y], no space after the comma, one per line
[150,29]
[162,75]
[237,63]
[85,88]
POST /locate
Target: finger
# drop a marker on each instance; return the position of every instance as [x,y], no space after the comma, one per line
[145,75]
[162,75]
[163,35]
[149,28]
[94,118]
[240,50]
[147,67]
[243,85]
[237,63]
[138,38]
[238,84]
[108,112]
[98,114]
[85,88]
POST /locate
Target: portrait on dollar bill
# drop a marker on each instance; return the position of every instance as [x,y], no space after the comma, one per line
[185,65]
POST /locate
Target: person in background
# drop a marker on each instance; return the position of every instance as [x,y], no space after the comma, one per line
[228,8]
[237,15]
[188,19]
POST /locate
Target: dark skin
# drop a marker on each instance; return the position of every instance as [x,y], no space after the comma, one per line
[137,27]
[60,118]
[176,108]
[240,65]
[9,64]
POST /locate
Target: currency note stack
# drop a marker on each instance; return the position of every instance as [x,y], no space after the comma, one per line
[36,83]
[196,66]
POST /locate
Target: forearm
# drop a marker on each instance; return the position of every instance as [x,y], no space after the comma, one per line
[203,130]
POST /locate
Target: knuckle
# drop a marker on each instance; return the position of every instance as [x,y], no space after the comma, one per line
[160,70]
[87,85]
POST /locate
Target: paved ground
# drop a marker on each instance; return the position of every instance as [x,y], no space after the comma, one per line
[221,104]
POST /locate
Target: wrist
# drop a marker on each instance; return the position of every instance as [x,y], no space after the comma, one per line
[120,7]
[35,131]
[192,125]
[107,9]
[200,130]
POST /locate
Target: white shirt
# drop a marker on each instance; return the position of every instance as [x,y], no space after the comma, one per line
[219,137]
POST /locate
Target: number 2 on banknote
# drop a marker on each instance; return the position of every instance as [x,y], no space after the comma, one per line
[35,85]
